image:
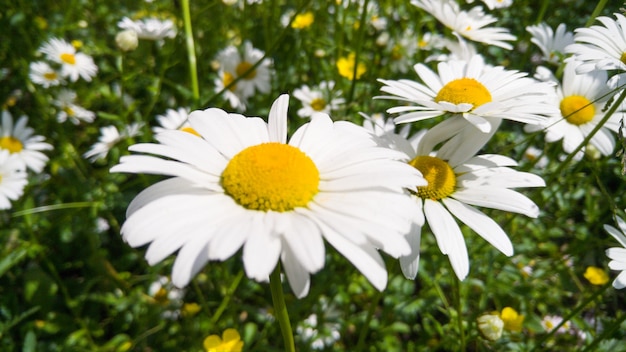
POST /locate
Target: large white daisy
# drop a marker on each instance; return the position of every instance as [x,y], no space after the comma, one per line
[458,181]
[470,24]
[19,140]
[12,178]
[581,100]
[244,185]
[480,94]
[602,48]
[618,254]
[73,64]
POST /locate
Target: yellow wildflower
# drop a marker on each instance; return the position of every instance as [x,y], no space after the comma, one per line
[596,276]
[345,65]
[512,320]
[229,342]
[303,20]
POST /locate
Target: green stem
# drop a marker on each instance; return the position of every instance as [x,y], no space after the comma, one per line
[357,51]
[227,298]
[191,52]
[605,334]
[368,319]
[280,309]
[459,313]
[596,12]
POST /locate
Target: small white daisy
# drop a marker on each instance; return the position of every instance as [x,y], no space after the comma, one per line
[19,140]
[109,137]
[73,64]
[244,185]
[149,28]
[401,52]
[470,25]
[173,120]
[552,44]
[581,100]
[321,98]
[458,181]
[12,178]
[235,97]
[618,254]
[480,94]
[602,48]
[69,110]
[549,322]
[42,74]
[238,64]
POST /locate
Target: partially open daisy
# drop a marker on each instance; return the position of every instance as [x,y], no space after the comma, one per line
[12,178]
[243,185]
[458,181]
[470,24]
[18,139]
[602,48]
[473,90]
[73,64]
[69,110]
[109,137]
[320,98]
[551,43]
[618,254]
[581,100]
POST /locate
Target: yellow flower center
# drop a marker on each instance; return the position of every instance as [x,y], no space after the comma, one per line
[303,20]
[623,57]
[438,173]
[12,144]
[190,130]
[396,53]
[68,58]
[318,104]
[577,109]
[227,80]
[271,176]
[242,68]
[464,90]
[50,76]
[69,111]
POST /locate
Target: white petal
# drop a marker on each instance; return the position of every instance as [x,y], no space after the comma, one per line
[261,251]
[618,235]
[298,277]
[410,263]
[482,224]
[189,261]
[305,242]
[620,281]
[498,198]
[448,235]
[277,120]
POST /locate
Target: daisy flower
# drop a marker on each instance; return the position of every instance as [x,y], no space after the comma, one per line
[319,99]
[69,110]
[237,64]
[173,120]
[12,178]
[552,44]
[480,94]
[109,137]
[235,97]
[618,254]
[549,322]
[581,99]
[243,185]
[42,74]
[73,64]
[401,52]
[19,140]
[458,181]
[149,28]
[470,25]
[602,48]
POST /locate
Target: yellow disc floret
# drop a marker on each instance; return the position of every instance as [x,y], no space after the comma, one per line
[271,176]
[623,58]
[464,90]
[243,67]
[12,144]
[438,173]
[68,58]
[577,109]
[318,104]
